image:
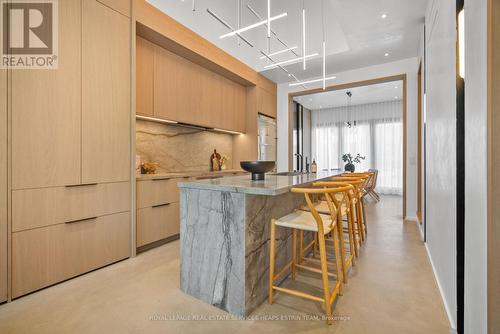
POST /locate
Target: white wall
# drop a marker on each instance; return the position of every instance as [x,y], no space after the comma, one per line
[475,167]
[441,148]
[406,66]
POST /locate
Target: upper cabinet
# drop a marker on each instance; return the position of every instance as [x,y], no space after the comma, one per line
[106,105]
[185,92]
[46,113]
[144,76]
[266,102]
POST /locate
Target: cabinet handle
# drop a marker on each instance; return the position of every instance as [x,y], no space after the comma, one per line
[80,185]
[80,220]
[161,179]
[160,205]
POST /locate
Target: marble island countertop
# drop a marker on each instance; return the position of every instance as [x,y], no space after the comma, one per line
[272,185]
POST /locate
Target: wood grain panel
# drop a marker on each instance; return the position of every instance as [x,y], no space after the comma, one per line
[144,77]
[161,29]
[165,84]
[156,192]
[105,94]
[122,6]
[34,208]
[48,255]
[157,223]
[211,97]
[46,113]
[188,91]
[3,185]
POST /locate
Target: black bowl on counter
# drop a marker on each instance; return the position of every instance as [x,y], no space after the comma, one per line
[257,168]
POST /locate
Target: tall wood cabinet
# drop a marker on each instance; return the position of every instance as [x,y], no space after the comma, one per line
[3,185]
[105,94]
[266,102]
[71,150]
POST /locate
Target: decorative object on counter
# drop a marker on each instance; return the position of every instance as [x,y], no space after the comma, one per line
[149,168]
[215,161]
[350,167]
[257,168]
[223,162]
[314,167]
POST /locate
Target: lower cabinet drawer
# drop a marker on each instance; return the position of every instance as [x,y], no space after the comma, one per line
[156,223]
[32,208]
[157,191]
[47,255]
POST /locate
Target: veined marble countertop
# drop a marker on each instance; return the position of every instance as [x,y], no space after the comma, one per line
[173,175]
[272,185]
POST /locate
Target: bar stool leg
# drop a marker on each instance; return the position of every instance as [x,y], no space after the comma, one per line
[324,272]
[340,232]
[271,260]
[339,260]
[352,234]
[359,223]
[294,253]
[364,217]
[301,246]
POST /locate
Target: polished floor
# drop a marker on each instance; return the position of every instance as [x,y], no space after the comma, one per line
[391,290]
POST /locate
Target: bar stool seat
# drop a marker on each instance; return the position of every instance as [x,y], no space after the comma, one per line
[304,220]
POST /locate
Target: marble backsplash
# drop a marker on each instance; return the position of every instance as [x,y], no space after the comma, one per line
[180,149]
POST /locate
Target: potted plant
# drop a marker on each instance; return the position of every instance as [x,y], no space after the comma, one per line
[349,167]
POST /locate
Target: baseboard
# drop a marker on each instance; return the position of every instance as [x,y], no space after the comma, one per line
[411,218]
[448,312]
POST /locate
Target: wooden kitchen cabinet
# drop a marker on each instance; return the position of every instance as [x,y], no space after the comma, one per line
[157,210]
[105,94]
[186,92]
[3,185]
[157,223]
[46,113]
[145,53]
[266,102]
[165,84]
[44,256]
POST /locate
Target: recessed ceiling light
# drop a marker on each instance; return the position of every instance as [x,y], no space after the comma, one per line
[386,54]
[396,87]
[310,100]
[383,16]
[395,97]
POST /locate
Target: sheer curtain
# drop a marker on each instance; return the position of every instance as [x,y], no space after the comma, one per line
[378,135]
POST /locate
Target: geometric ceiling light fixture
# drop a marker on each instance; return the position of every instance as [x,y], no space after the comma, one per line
[253,26]
[303,36]
[290,61]
[227,25]
[324,43]
[279,52]
[300,83]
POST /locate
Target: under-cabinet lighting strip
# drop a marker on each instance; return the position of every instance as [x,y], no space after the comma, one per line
[228,131]
[290,61]
[304,38]
[252,26]
[154,119]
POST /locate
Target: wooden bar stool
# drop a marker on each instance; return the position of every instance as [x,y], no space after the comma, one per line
[323,225]
[342,200]
[358,183]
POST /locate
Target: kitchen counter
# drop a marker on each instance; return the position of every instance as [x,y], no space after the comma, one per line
[272,185]
[224,236]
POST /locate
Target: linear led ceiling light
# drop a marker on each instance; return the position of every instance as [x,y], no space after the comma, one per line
[252,26]
[299,83]
[280,52]
[290,61]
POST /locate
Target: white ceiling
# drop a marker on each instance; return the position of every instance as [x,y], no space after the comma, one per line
[356,35]
[389,91]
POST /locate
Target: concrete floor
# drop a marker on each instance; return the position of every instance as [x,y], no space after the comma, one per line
[391,290]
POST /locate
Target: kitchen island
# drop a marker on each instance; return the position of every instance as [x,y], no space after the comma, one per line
[224,236]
